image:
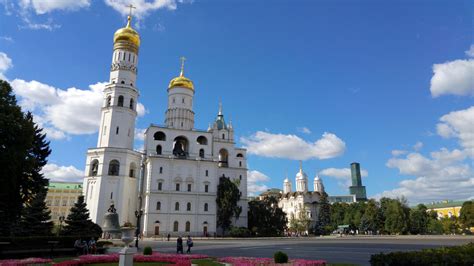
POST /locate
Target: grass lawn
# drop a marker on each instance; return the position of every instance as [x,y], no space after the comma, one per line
[207,262]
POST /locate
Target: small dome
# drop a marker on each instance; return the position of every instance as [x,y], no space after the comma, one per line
[301,175]
[181,81]
[316,178]
[286,180]
[127,34]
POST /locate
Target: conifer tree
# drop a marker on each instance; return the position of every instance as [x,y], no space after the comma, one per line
[36,216]
[324,215]
[78,222]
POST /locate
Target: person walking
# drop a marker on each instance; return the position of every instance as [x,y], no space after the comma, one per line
[169,236]
[179,245]
[189,243]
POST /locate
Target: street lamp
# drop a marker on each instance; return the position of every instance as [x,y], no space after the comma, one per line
[138,214]
[61,220]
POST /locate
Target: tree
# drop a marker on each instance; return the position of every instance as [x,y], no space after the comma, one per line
[434,226]
[370,219]
[36,216]
[467,214]
[228,196]
[78,222]
[23,153]
[265,218]
[338,211]
[419,220]
[323,223]
[396,218]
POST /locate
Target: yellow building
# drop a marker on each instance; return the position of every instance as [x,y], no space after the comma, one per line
[446,208]
[61,197]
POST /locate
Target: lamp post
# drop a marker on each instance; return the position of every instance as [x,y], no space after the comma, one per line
[61,220]
[138,214]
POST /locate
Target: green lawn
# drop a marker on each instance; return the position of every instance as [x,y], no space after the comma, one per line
[207,262]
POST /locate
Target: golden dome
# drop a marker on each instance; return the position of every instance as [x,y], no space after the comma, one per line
[181,81]
[127,34]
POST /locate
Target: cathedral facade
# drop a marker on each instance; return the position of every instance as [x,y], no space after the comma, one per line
[180,166]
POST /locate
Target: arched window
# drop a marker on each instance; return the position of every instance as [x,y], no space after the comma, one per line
[180,147]
[122,82]
[223,158]
[109,101]
[120,101]
[201,153]
[94,167]
[177,187]
[240,155]
[160,185]
[175,226]
[223,136]
[176,206]
[158,206]
[159,136]
[188,206]
[202,140]
[132,171]
[132,102]
[158,149]
[188,226]
[240,164]
[206,207]
[114,168]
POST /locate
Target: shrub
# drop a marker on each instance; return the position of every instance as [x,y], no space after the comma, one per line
[280,257]
[147,251]
[457,255]
[239,232]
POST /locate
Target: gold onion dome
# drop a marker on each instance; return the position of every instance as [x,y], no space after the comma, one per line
[127,34]
[181,81]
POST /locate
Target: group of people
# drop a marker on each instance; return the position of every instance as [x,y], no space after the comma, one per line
[84,247]
[179,244]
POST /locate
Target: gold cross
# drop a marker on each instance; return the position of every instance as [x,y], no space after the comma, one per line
[130,6]
[182,58]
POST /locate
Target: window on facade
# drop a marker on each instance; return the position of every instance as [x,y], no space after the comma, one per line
[160,186]
[223,158]
[122,82]
[223,136]
[159,136]
[175,226]
[189,187]
[64,202]
[188,206]
[240,164]
[177,187]
[132,102]
[117,130]
[180,147]
[109,101]
[206,207]
[176,206]
[158,206]
[206,188]
[207,172]
[174,100]
[111,195]
[188,226]
[240,177]
[94,167]
[158,149]
[114,167]
[120,101]
[161,170]
[201,140]
[183,100]
[201,153]
[240,155]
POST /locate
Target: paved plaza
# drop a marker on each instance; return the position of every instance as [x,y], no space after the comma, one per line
[348,249]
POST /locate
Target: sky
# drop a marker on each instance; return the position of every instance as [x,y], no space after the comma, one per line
[388,84]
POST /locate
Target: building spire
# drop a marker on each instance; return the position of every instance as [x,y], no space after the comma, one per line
[129,18]
[220,107]
[301,166]
[182,58]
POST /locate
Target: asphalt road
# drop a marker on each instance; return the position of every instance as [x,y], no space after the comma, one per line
[353,250]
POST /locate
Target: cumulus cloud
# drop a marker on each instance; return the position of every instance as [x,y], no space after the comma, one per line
[442,175]
[143,7]
[398,152]
[56,110]
[470,52]
[5,64]
[55,172]
[304,130]
[454,77]
[140,134]
[293,147]
[459,124]
[255,180]
[342,175]
[42,6]
[418,146]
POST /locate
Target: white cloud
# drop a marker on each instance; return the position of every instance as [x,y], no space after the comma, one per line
[293,147]
[470,52]
[32,25]
[304,130]
[459,124]
[5,64]
[444,175]
[418,146]
[143,7]
[140,134]
[343,175]
[7,39]
[46,6]
[254,182]
[455,77]
[398,152]
[57,110]
[55,172]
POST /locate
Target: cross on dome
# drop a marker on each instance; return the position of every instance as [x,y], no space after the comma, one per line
[182,58]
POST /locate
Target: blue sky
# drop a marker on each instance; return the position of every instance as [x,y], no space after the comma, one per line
[391,84]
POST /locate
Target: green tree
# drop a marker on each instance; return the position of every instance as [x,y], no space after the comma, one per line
[419,219]
[228,196]
[434,227]
[396,218]
[323,224]
[370,219]
[338,211]
[467,214]
[78,222]
[450,225]
[23,153]
[265,218]
[36,216]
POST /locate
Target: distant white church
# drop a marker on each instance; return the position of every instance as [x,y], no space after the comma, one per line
[181,165]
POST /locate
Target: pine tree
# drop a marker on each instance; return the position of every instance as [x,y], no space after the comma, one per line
[324,215]
[36,216]
[78,222]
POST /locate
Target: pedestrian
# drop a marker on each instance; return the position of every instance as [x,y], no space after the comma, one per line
[92,246]
[169,236]
[179,245]
[189,243]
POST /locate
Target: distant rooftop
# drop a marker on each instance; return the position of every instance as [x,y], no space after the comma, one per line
[445,204]
[65,185]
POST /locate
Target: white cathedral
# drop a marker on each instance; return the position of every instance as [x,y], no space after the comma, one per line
[180,166]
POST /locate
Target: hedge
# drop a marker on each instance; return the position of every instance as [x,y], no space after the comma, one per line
[39,242]
[457,255]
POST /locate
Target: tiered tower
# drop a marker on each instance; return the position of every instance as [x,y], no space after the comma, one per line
[112,168]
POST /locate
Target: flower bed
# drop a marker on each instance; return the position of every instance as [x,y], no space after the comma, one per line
[28,261]
[175,259]
[248,261]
